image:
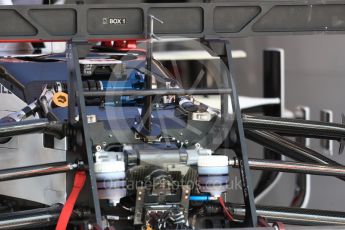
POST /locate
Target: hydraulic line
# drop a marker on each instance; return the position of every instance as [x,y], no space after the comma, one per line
[39,170]
[292,167]
[11,129]
[296,216]
[295,127]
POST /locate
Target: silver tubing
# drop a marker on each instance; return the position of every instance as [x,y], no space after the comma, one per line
[297,216]
[292,167]
[37,170]
[30,221]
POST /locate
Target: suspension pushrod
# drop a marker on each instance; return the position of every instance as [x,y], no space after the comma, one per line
[156,92]
[292,167]
[11,129]
[34,218]
[287,147]
[30,221]
[295,127]
[38,170]
[297,216]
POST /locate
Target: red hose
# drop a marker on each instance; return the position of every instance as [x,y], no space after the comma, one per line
[225,210]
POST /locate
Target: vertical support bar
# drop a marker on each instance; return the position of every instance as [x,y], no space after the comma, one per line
[246,179]
[274,80]
[71,87]
[147,108]
[75,81]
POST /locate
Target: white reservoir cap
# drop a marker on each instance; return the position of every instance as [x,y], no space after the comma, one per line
[213,161]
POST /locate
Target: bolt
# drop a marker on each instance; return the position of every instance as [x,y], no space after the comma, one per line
[98,148]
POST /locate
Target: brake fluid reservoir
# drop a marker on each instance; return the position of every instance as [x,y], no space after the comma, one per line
[213,174]
[110,176]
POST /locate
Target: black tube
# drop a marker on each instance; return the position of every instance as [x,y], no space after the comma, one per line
[295,127]
[157,92]
[4,74]
[30,218]
[32,126]
[288,147]
[4,120]
[37,170]
[297,216]
[292,167]
[147,111]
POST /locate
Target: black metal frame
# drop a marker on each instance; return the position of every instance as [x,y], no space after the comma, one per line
[76,97]
[241,150]
[207,20]
[75,91]
[130,21]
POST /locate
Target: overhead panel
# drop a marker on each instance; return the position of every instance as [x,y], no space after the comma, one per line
[178,20]
[57,22]
[232,19]
[193,19]
[290,18]
[14,24]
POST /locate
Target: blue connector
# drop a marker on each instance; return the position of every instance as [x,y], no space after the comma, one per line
[199,198]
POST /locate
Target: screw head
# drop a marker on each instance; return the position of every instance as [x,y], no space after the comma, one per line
[98,148]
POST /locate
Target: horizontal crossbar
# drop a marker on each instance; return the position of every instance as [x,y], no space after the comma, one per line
[129,21]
